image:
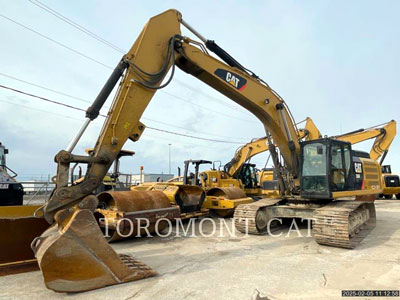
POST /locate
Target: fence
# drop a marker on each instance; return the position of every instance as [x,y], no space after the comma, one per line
[38,189]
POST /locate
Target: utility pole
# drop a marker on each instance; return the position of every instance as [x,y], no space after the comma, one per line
[169,161]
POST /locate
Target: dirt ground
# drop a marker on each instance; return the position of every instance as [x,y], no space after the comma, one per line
[246,267]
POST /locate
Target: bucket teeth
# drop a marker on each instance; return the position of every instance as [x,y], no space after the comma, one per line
[75,257]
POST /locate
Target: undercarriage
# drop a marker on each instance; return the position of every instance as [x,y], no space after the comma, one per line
[335,223]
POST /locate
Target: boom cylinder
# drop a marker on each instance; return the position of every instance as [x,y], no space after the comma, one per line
[212,46]
[93,111]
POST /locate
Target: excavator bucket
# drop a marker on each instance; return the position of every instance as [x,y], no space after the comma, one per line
[74,256]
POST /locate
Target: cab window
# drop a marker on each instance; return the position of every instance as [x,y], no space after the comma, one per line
[338,171]
[314,174]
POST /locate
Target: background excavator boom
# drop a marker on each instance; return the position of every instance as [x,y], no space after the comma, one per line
[383,134]
[257,146]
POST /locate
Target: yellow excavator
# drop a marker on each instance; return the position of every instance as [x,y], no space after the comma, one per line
[390,183]
[317,178]
[239,182]
[383,135]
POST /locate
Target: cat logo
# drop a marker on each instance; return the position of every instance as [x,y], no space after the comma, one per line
[358,167]
[232,78]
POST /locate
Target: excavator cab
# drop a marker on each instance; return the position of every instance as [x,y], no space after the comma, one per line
[248,176]
[327,166]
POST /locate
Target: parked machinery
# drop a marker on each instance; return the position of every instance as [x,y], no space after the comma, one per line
[18,226]
[311,174]
[383,135]
[240,182]
[391,183]
[184,191]
[11,191]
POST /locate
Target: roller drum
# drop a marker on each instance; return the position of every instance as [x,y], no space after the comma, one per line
[123,214]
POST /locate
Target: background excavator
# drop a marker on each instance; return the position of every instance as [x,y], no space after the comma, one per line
[383,135]
[73,254]
[222,196]
[388,183]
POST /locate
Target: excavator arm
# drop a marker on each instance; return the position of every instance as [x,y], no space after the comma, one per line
[383,134]
[310,131]
[245,153]
[152,52]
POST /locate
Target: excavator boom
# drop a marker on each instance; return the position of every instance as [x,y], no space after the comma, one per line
[383,134]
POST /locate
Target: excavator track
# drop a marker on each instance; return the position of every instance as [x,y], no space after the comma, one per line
[252,218]
[343,224]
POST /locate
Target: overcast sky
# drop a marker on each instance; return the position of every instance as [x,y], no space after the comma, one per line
[334,61]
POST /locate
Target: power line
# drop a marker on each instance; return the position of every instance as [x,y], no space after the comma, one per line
[86,101]
[193,137]
[109,67]
[44,111]
[220,101]
[58,43]
[146,137]
[76,25]
[184,128]
[44,88]
[206,108]
[41,98]
[107,43]
[80,109]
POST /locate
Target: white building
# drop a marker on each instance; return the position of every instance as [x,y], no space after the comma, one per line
[150,177]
